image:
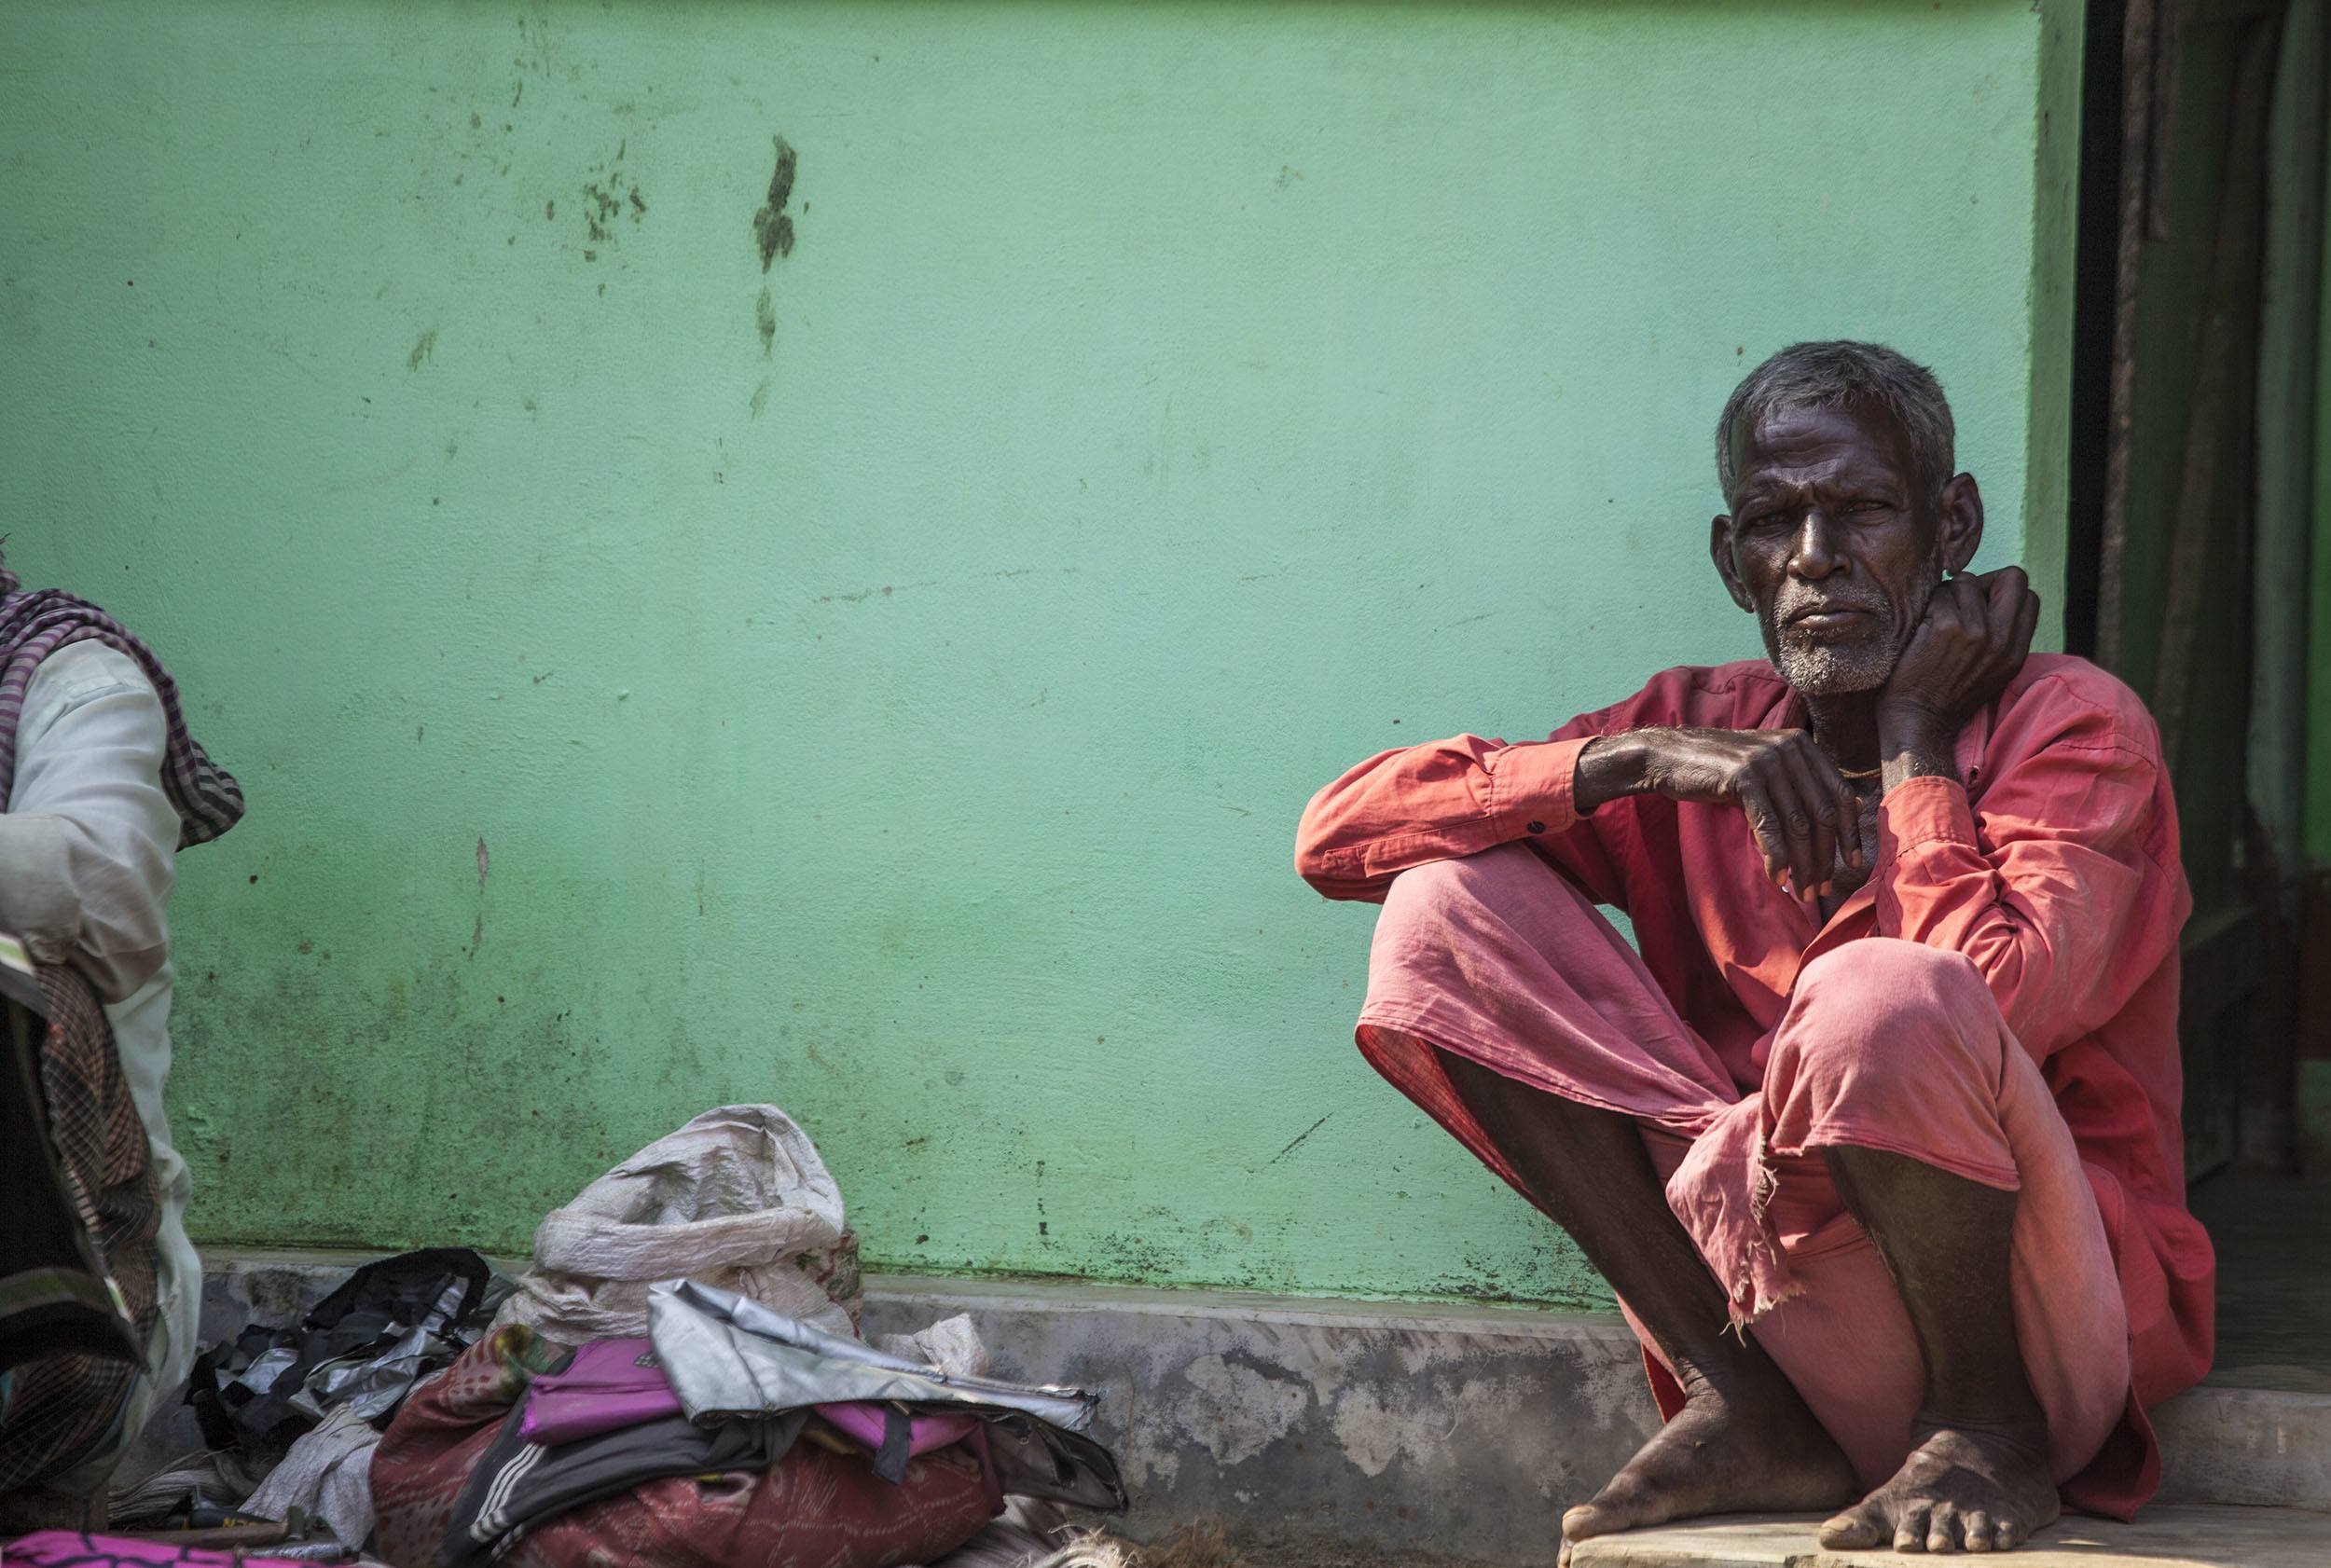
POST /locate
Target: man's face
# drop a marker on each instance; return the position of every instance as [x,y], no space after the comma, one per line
[1833,544]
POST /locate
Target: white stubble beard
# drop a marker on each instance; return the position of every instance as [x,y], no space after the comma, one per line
[1828,670]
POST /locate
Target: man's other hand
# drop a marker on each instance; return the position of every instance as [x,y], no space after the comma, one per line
[1967,647]
[1800,810]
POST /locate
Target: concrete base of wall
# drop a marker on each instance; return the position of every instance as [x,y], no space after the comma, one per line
[1351,1427]
[1323,1431]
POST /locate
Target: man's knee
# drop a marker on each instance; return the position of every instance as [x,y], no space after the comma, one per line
[1503,885]
[1452,925]
[1488,875]
[1882,1010]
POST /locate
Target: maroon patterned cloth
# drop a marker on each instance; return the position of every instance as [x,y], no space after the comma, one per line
[34,625]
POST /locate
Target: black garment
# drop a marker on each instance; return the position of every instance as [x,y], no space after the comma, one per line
[434,1290]
[517,1485]
[1034,1458]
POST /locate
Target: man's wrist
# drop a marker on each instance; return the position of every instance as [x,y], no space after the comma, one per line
[1611,765]
[1915,743]
[1906,727]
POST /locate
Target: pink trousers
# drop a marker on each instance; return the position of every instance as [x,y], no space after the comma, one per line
[1884,1044]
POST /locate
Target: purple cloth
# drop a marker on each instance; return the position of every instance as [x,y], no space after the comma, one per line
[613,1383]
[864,1425]
[610,1383]
[34,625]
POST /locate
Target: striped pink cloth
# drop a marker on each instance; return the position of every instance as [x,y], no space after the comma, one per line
[72,1549]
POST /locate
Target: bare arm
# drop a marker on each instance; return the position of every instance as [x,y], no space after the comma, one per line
[1798,809]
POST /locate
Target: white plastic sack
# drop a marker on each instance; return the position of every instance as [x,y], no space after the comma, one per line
[736,1199]
[951,1344]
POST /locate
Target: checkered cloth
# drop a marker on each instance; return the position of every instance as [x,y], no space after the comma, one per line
[34,625]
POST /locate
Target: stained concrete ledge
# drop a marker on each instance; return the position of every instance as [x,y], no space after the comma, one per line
[2257,1447]
[1299,1426]
[1319,1431]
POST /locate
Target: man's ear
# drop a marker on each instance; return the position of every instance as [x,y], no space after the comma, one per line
[1959,522]
[1720,551]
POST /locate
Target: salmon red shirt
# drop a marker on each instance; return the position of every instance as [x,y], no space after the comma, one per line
[2054,867]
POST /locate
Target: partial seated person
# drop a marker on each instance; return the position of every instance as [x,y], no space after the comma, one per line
[103,786]
[1877,1140]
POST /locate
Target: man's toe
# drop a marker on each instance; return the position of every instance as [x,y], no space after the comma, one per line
[1977,1529]
[1910,1531]
[1854,1529]
[1946,1531]
[1588,1519]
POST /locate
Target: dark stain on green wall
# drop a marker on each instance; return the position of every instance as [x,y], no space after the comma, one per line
[772,230]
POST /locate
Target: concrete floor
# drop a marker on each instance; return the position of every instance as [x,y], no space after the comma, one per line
[2164,1536]
[2273,1235]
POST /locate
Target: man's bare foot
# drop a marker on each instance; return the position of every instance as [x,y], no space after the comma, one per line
[1962,1488]
[1754,1447]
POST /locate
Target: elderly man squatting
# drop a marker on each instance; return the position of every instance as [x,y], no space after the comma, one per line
[1877,1140]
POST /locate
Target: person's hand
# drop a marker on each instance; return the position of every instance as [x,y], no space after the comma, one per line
[1801,814]
[1967,648]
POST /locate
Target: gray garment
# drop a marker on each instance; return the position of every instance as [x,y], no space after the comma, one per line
[728,1356]
[328,1472]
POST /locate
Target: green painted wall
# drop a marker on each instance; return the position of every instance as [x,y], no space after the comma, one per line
[890,693]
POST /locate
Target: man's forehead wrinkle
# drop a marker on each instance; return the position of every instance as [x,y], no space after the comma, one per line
[1801,473]
[1839,468]
[1775,476]
[1829,427]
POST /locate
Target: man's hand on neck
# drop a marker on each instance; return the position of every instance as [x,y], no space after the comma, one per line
[1969,644]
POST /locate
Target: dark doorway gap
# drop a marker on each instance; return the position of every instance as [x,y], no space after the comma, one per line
[2094,298]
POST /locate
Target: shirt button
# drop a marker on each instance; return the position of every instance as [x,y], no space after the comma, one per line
[1535,827]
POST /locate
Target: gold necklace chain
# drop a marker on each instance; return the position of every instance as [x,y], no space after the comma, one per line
[1860,773]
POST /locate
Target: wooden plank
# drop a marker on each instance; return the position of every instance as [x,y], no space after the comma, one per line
[2136,123]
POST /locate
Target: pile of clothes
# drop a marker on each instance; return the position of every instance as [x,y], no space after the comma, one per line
[677,1380]
[728,1434]
[302,1406]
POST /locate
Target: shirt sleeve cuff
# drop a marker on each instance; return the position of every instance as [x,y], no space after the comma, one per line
[1923,811]
[1532,787]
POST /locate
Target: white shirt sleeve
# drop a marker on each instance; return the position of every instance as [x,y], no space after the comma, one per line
[88,842]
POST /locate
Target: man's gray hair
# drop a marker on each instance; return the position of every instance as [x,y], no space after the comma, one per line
[1833,375]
